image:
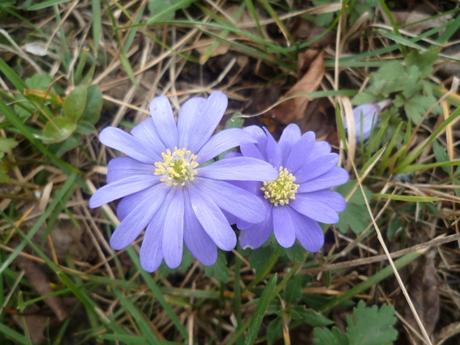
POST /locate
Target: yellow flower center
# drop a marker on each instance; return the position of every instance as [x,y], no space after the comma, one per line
[177,167]
[280,191]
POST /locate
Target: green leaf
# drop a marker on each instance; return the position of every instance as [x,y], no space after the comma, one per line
[371,325]
[355,215]
[6,145]
[57,130]
[165,10]
[75,103]
[236,121]
[39,81]
[93,107]
[326,336]
[310,317]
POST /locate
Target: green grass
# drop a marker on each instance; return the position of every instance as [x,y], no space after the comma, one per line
[409,170]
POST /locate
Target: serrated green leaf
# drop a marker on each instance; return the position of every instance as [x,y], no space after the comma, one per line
[356,216]
[371,325]
[326,336]
[75,103]
[417,106]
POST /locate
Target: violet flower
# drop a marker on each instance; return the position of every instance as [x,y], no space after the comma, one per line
[167,187]
[366,117]
[300,196]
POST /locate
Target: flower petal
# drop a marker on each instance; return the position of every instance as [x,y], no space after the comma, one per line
[151,253]
[239,168]
[122,167]
[300,151]
[272,150]
[333,199]
[256,235]
[212,220]
[129,145]
[202,127]
[255,150]
[284,226]
[308,232]
[163,121]
[316,167]
[196,239]
[121,188]
[145,132]
[334,177]
[321,148]
[173,231]
[189,113]
[131,226]
[291,134]
[314,209]
[232,199]
[128,203]
[223,141]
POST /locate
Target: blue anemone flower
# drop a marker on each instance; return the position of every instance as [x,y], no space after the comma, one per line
[170,185]
[300,196]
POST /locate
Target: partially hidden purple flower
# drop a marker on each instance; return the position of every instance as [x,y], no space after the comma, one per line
[301,196]
[366,117]
[170,186]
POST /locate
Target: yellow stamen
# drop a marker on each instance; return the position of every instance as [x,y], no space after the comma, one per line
[282,190]
[177,167]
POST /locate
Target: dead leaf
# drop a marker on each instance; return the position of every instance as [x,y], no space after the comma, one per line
[38,279]
[424,287]
[293,109]
[34,326]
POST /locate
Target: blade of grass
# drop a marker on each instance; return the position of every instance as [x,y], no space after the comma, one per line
[371,281]
[12,334]
[97,24]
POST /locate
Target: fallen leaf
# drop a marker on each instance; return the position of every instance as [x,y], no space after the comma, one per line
[34,326]
[38,279]
[293,108]
[423,284]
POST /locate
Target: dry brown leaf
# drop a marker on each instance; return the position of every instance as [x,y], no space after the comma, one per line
[424,287]
[293,109]
[41,284]
[34,326]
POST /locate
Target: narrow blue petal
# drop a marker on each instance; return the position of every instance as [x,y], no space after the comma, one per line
[255,150]
[189,113]
[145,132]
[122,167]
[131,226]
[316,167]
[163,121]
[234,200]
[291,134]
[334,177]
[204,125]
[173,231]
[321,148]
[272,150]
[314,209]
[332,199]
[284,226]
[121,188]
[300,151]
[151,253]
[308,232]
[212,220]
[196,239]
[239,168]
[256,235]
[223,141]
[129,145]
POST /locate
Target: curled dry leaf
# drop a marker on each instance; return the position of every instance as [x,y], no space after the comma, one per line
[293,109]
[38,279]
